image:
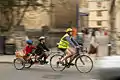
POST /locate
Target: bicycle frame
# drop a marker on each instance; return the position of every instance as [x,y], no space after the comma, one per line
[75,55]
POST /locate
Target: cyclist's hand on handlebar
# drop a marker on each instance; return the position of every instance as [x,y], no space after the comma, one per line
[45,51]
[77,47]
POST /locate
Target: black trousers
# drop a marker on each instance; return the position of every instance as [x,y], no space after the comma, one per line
[41,54]
[44,56]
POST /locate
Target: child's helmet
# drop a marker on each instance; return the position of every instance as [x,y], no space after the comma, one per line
[29,41]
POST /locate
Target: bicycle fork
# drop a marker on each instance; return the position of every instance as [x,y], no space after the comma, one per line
[82,61]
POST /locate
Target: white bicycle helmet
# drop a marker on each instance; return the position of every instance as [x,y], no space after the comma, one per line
[42,38]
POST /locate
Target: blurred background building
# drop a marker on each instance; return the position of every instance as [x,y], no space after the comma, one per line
[83,14]
[99,13]
[34,18]
[115,24]
[63,16]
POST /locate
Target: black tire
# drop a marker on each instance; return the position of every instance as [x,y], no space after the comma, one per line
[55,63]
[21,62]
[28,64]
[84,63]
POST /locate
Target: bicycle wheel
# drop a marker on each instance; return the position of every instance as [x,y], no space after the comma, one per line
[84,63]
[54,63]
[28,64]
[19,63]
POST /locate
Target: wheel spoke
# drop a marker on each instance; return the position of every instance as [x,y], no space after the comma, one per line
[54,63]
[28,64]
[19,64]
[84,64]
[82,61]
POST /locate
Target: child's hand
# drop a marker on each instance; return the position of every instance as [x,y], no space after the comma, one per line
[44,50]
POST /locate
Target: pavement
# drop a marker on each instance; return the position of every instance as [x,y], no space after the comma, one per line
[102,51]
[7,58]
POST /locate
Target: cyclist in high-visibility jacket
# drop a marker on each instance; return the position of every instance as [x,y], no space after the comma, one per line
[68,45]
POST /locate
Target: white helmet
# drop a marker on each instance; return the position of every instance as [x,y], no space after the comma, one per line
[42,38]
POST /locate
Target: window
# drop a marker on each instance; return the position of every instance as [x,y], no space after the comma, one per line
[99,23]
[99,13]
[99,4]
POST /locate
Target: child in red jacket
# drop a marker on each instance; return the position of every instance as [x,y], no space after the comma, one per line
[29,48]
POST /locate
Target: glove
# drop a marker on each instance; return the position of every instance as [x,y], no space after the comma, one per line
[77,47]
[45,51]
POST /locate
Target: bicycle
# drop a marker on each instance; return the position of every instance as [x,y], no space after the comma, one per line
[21,62]
[79,58]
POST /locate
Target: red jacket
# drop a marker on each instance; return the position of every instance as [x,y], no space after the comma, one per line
[28,49]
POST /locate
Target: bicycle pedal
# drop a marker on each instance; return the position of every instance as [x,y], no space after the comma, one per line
[64,64]
[71,64]
[60,63]
[68,66]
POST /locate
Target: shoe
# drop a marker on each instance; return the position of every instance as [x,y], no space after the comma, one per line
[71,64]
[68,66]
[42,62]
[46,62]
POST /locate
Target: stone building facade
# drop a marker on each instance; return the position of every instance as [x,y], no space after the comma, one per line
[99,13]
[36,18]
[83,14]
[115,24]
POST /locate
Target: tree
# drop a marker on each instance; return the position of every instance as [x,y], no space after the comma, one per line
[13,11]
[8,8]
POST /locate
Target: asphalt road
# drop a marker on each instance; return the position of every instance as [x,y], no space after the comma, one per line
[37,72]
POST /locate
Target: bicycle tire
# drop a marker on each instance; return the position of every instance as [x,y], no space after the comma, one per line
[80,57]
[21,62]
[30,64]
[61,56]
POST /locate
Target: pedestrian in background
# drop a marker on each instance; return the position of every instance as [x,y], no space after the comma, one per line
[93,44]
